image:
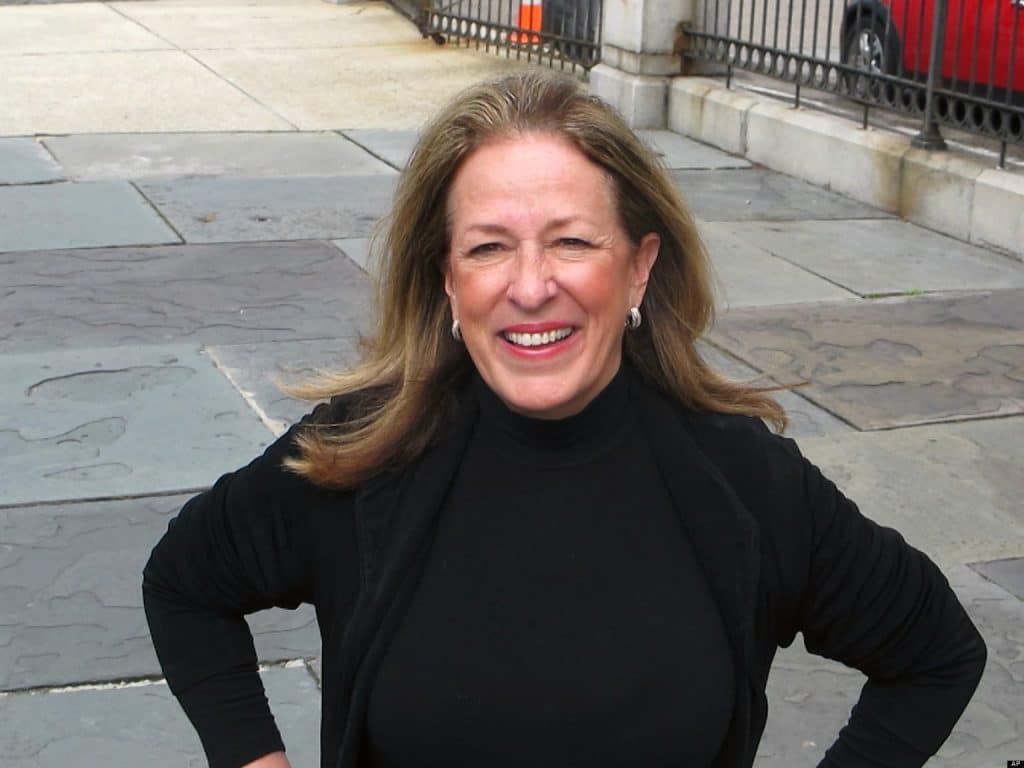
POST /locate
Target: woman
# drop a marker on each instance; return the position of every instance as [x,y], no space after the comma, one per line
[535,526]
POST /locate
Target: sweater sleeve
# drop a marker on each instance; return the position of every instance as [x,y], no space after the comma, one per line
[244,545]
[873,602]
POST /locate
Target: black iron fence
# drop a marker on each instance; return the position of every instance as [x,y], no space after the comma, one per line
[560,33]
[956,63]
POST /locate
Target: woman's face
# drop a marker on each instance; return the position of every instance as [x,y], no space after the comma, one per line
[540,273]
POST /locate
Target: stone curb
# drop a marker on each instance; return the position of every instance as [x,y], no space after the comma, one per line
[949,193]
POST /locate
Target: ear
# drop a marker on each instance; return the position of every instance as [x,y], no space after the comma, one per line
[643,262]
[449,288]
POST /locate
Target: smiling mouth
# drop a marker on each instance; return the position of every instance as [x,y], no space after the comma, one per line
[537,339]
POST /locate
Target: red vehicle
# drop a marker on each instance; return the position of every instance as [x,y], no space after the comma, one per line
[982,52]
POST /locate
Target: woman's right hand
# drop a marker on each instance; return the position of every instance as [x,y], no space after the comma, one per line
[273,760]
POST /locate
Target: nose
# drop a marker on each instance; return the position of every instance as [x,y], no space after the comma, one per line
[531,282]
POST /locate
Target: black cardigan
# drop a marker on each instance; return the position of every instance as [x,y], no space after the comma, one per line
[783,551]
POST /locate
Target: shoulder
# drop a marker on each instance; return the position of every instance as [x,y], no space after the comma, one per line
[753,459]
[267,480]
[740,449]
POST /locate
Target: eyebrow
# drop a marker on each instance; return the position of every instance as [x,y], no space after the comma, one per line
[498,229]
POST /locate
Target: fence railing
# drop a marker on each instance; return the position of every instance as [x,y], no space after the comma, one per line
[560,33]
[957,63]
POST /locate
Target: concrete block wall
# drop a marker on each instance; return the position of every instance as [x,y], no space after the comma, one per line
[640,98]
[944,191]
[639,57]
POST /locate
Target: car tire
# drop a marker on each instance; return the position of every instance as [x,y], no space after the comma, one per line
[871,45]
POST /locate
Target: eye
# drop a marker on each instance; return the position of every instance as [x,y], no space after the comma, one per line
[485,248]
[573,243]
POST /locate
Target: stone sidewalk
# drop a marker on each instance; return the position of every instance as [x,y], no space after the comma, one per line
[186,195]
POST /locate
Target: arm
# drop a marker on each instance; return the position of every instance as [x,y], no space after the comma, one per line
[241,546]
[875,603]
[273,760]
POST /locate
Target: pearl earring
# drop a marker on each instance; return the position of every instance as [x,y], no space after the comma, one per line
[634,319]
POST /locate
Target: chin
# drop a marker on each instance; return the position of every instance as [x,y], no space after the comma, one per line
[546,404]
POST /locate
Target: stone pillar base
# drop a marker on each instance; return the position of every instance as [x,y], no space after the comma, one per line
[641,99]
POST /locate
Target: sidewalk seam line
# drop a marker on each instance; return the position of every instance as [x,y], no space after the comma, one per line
[40,140]
[367,150]
[4,507]
[277,427]
[159,213]
[203,64]
[811,272]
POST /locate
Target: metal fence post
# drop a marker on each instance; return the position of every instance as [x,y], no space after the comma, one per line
[929,137]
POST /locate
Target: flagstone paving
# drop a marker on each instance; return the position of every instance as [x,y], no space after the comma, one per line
[26,161]
[202,294]
[1008,574]
[269,131]
[71,605]
[952,490]
[141,725]
[756,193]
[677,152]
[93,214]
[805,418]
[393,147]
[749,276]
[878,257]
[247,155]
[244,210]
[101,423]
[896,362]
[258,371]
[357,249]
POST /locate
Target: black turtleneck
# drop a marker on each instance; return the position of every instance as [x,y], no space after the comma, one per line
[561,618]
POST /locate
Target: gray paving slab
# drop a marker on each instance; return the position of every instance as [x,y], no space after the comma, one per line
[357,249]
[757,193]
[810,697]
[201,294]
[107,422]
[991,731]
[247,155]
[245,210]
[86,215]
[393,147]
[141,725]
[749,276]
[809,701]
[257,370]
[953,490]
[893,362]
[26,161]
[805,418]
[679,152]
[1008,574]
[71,606]
[882,257]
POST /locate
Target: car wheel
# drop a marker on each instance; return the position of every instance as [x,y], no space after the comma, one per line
[871,46]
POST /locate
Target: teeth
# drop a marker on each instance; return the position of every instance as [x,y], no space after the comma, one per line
[537,339]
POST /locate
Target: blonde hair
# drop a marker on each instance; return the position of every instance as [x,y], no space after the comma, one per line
[405,387]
